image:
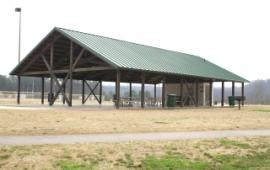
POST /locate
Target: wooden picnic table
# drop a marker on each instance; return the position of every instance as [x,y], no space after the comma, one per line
[130,102]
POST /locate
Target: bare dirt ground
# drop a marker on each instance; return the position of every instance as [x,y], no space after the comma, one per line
[83,120]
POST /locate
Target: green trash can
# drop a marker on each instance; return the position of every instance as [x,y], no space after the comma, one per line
[231,100]
[171,100]
[50,97]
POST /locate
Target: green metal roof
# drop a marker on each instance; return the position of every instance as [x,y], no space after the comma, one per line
[127,55]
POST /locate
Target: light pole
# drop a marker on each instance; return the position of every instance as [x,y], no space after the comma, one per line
[19,53]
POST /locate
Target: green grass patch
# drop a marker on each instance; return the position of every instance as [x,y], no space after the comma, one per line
[4,157]
[254,161]
[170,162]
[219,161]
[71,165]
[227,142]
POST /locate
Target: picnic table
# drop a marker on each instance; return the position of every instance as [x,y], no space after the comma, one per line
[131,102]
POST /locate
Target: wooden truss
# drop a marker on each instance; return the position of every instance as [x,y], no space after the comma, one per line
[68,76]
[92,91]
[190,95]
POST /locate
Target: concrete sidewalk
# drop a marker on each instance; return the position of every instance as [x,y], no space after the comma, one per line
[123,137]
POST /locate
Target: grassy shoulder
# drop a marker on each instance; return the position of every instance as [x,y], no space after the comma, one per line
[87,121]
[224,154]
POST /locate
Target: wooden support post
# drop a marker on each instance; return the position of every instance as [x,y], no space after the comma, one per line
[197,93]
[233,88]
[19,90]
[42,90]
[222,94]
[70,74]
[155,94]
[83,91]
[163,92]
[50,97]
[117,89]
[100,92]
[181,92]
[243,93]
[64,91]
[130,91]
[210,94]
[142,90]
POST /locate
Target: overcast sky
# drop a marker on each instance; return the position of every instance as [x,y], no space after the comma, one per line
[234,34]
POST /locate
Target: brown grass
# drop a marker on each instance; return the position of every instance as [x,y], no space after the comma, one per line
[64,120]
[118,155]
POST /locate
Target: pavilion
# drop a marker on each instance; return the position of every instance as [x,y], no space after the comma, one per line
[66,55]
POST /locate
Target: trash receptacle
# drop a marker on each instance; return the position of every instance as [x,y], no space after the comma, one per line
[171,100]
[231,100]
[50,97]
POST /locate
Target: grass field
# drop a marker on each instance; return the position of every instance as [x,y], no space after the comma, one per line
[63,120]
[223,154]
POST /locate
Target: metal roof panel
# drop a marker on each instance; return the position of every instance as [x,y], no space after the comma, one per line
[129,55]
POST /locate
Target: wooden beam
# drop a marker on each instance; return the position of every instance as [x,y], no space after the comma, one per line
[18,89]
[243,93]
[233,88]
[73,65]
[59,71]
[61,88]
[155,93]
[155,78]
[197,93]
[190,92]
[181,92]
[210,93]
[117,89]
[92,91]
[163,92]
[55,79]
[142,90]
[222,94]
[41,52]
[130,91]
[42,90]
[95,68]
[83,91]
[51,80]
[100,92]
[64,92]
[70,73]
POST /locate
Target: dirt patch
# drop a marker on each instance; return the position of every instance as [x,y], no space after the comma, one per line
[86,121]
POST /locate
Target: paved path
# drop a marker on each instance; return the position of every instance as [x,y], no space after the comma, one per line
[68,139]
